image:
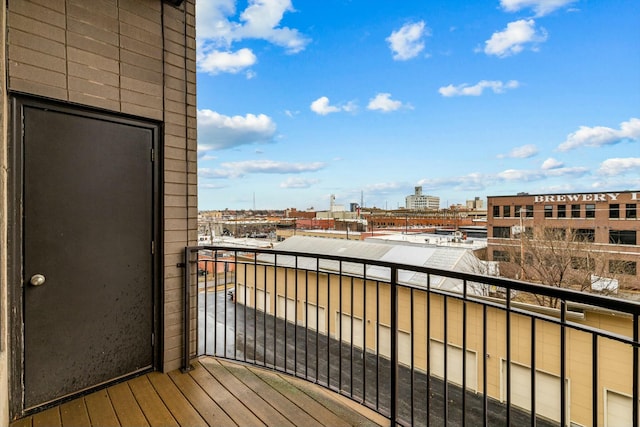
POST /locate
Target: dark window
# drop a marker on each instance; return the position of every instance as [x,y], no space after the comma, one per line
[618,266]
[506,211]
[631,211]
[581,263]
[496,211]
[502,232]
[614,211]
[584,234]
[548,211]
[529,211]
[562,211]
[517,210]
[622,237]
[501,256]
[590,211]
[575,211]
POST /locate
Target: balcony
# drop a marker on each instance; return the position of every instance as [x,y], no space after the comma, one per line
[417,345]
[214,393]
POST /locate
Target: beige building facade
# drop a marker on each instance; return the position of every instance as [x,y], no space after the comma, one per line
[338,307]
[121,66]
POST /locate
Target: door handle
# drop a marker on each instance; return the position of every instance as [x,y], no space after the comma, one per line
[37,280]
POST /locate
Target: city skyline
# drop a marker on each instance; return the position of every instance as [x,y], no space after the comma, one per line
[299,100]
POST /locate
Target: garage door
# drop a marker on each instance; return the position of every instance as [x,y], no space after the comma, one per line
[404,344]
[618,408]
[547,391]
[350,324]
[289,305]
[315,318]
[454,364]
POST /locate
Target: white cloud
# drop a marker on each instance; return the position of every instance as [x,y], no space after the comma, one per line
[540,7]
[599,135]
[551,163]
[239,169]
[476,90]
[383,102]
[408,41]
[217,61]
[323,107]
[524,175]
[293,182]
[217,131]
[620,166]
[512,39]
[218,31]
[522,152]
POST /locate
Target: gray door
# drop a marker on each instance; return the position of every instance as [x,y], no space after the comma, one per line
[88,228]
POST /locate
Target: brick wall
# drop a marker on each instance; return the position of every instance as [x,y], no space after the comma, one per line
[133,57]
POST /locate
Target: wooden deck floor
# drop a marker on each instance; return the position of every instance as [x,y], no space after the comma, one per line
[215,393]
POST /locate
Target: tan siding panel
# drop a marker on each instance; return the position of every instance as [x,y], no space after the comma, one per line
[39,13]
[37,43]
[37,59]
[35,27]
[88,44]
[93,74]
[37,88]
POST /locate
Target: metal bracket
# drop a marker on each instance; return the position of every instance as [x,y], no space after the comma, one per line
[181,265]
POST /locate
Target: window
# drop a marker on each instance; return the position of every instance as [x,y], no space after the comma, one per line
[631,211]
[502,232]
[575,211]
[614,211]
[496,211]
[581,263]
[506,211]
[622,237]
[618,266]
[517,210]
[529,211]
[501,256]
[555,233]
[562,211]
[590,211]
[548,211]
[584,234]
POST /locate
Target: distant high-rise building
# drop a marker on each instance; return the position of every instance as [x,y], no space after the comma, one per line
[476,204]
[418,201]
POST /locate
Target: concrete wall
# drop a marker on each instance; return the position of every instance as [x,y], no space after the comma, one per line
[135,57]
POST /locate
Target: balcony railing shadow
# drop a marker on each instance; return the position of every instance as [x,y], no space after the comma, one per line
[418,345]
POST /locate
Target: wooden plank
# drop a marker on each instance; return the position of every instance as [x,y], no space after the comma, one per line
[343,407]
[22,422]
[74,413]
[272,392]
[231,405]
[50,417]
[201,401]
[179,406]
[101,412]
[126,406]
[262,409]
[154,409]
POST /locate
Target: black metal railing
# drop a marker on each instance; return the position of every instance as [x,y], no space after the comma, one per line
[421,346]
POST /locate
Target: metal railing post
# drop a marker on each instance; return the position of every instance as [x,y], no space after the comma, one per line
[186,366]
[393,377]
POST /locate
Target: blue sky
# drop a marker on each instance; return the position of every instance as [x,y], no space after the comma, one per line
[367,99]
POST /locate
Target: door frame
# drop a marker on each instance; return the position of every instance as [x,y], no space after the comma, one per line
[15,253]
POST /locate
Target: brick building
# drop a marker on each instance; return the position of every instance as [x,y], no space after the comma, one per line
[607,221]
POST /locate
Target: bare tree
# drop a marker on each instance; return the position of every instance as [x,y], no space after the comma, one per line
[558,258]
